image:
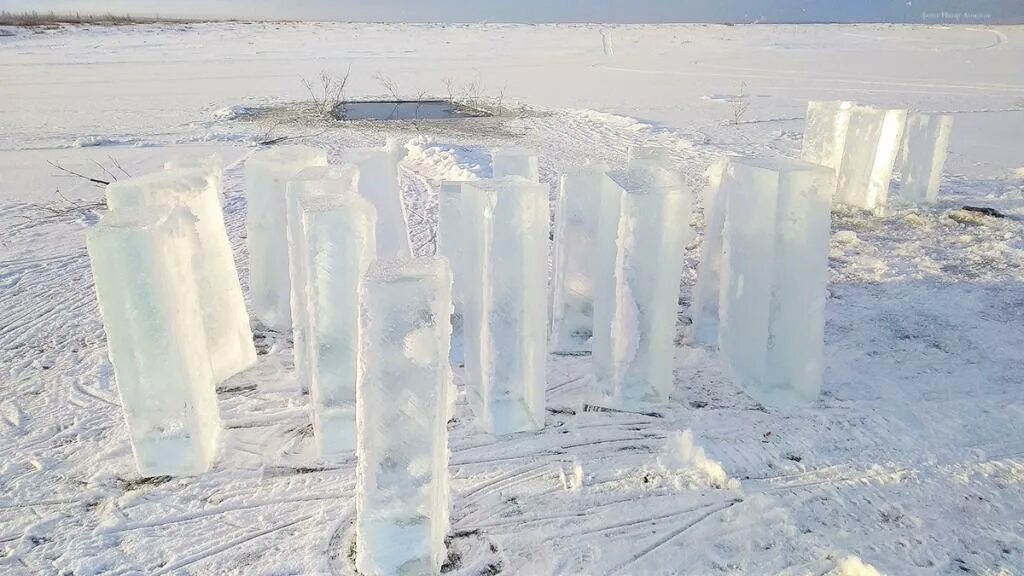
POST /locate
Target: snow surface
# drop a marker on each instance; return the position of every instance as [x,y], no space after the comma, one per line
[911,462]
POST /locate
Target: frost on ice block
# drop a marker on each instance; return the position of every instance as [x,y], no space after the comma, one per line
[506,235]
[402,471]
[378,183]
[514,162]
[267,173]
[335,180]
[225,318]
[925,143]
[774,271]
[150,303]
[872,142]
[337,247]
[587,200]
[639,300]
[825,132]
[704,306]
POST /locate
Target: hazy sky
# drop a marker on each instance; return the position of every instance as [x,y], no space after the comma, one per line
[947,11]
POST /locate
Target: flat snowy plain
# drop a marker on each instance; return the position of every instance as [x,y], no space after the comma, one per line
[912,461]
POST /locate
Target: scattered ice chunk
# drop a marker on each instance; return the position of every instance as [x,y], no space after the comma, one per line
[505,294]
[225,318]
[402,472]
[378,183]
[335,180]
[514,162]
[774,271]
[587,199]
[336,234]
[704,307]
[150,303]
[267,173]
[925,144]
[825,132]
[642,295]
[872,143]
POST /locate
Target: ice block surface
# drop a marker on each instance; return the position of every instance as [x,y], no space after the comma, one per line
[515,162]
[150,303]
[825,132]
[267,173]
[872,143]
[925,145]
[704,304]
[402,471]
[379,183]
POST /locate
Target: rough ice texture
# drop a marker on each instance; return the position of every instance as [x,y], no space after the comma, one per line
[586,199]
[825,132]
[225,318]
[775,267]
[451,246]
[505,327]
[335,180]
[142,263]
[378,183]
[267,173]
[402,471]
[704,305]
[514,162]
[642,295]
[925,144]
[872,143]
[337,237]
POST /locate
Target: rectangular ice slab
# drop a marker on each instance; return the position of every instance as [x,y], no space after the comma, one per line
[333,181]
[825,132]
[150,303]
[704,306]
[925,143]
[506,235]
[587,200]
[402,471]
[635,307]
[514,162]
[774,271]
[872,141]
[225,318]
[267,173]
[378,183]
[338,245]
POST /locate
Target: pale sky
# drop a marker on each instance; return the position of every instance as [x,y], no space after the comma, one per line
[934,11]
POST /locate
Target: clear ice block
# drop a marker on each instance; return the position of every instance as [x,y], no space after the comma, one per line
[507,162]
[872,143]
[334,180]
[267,173]
[774,272]
[378,183]
[402,471]
[150,304]
[506,235]
[642,295]
[704,306]
[825,132]
[925,144]
[338,246]
[225,318]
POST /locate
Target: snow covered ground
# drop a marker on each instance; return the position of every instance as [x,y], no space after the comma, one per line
[911,462]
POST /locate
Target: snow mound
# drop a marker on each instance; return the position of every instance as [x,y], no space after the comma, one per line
[854,566]
[438,161]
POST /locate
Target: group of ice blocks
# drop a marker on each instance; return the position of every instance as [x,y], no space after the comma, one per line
[862,145]
[762,275]
[173,311]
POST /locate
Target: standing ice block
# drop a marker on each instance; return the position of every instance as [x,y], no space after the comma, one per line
[338,246]
[775,267]
[704,306]
[402,470]
[449,234]
[267,173]
[872,142]
[378,183]
[825,132]
[506,239]
[513,162]
[150,303]
[641,297]
[925,144]
[225,318]
[587,198]
[335,181]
